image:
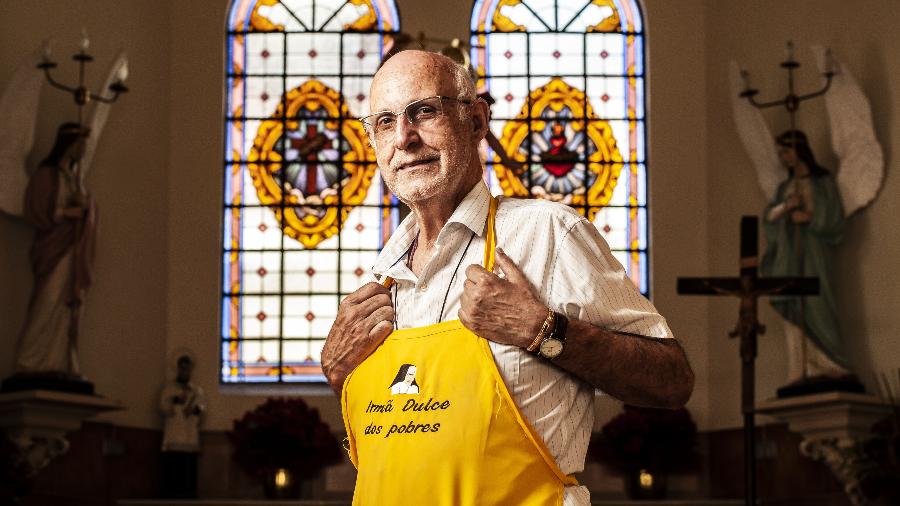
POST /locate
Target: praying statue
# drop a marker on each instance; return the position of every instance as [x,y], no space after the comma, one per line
[808,206]
[802,225]
[64,218]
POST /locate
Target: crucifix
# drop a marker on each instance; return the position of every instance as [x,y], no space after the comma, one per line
[748,288]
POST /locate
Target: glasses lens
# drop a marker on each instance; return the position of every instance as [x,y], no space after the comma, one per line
[423,110]
[418,113]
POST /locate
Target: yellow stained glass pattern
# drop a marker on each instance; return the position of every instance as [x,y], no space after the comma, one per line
[311,218]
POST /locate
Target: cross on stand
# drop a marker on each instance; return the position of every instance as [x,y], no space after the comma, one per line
[748,287]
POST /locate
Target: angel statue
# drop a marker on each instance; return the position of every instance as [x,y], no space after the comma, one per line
[805,218]
[53,199]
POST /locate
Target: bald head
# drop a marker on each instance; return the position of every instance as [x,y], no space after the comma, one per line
[413,74]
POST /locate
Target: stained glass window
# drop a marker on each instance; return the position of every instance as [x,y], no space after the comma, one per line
[568,82]
[305,212]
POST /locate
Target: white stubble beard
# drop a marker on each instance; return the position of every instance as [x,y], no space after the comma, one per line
[421,188]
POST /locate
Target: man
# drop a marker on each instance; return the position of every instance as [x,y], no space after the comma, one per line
[560,290]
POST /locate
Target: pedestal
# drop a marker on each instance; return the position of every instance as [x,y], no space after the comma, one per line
[37,421]
[835,427]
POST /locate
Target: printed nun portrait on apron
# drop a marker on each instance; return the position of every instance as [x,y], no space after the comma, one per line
[405,381]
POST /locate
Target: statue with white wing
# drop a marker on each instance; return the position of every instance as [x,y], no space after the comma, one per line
[53,199]
[806,215]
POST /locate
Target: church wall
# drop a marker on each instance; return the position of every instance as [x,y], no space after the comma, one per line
[863,36]
[157,177]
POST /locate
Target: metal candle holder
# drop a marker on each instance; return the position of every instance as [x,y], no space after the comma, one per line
[80,92]
[792,100]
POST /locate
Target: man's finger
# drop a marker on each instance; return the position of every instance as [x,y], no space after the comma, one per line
[478,274]
[381,330]
[382,314]
[368,306]
[509,268]
[364,292]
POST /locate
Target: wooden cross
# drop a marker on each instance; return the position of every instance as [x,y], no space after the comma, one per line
[748,287]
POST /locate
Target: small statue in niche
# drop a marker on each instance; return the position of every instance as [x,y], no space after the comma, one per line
[183,406]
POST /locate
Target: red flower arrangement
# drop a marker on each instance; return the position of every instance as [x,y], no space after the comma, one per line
[283,434]
[658,440]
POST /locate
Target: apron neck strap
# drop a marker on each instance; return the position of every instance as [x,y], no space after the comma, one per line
[490,241]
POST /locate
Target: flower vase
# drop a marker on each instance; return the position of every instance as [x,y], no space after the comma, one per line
[642,484]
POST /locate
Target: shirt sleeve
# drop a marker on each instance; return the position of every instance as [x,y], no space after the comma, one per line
[589,284]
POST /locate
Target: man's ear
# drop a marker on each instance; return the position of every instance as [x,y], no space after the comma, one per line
[481,115]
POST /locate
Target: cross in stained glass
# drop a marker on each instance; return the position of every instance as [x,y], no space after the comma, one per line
[308,148]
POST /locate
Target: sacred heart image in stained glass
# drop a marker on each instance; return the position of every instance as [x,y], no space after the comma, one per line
[564,152]
[311,163]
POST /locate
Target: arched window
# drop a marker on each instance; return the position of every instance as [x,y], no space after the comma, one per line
[568,82]
[305,212]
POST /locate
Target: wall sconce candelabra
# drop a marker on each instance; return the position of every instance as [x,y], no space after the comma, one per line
[80,93]
[792,100]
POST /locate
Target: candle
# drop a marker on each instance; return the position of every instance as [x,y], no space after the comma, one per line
[122,74]
[46,51]
[789,51]
[85,42]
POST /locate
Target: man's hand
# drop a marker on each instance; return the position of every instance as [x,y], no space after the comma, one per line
[506,311]
[364,319]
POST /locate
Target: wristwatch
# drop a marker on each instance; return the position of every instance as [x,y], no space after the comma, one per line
[554,344]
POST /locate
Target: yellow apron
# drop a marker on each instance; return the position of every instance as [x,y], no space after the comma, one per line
[430,421]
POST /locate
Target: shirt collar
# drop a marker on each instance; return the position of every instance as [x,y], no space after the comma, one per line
[472,213]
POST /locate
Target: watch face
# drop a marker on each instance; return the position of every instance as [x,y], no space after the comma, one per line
[551,348]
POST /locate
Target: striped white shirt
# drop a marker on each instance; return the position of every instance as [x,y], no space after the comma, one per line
[564,256]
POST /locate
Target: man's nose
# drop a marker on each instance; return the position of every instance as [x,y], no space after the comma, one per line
[405,133]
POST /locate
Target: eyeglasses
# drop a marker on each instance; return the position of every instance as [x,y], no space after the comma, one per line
[421,113]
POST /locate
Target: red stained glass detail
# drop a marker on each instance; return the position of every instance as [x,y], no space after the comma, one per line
[604,54]
[310,272]
[262,272]
[508,54]
[261,316]
[265,53]
[360,97]
[605,97]
[263,227]
[361,54]
[312,53]
[509,97]
[310,316]
[264,96]
[556,54]
[360,227]
[606,229]
[359,271]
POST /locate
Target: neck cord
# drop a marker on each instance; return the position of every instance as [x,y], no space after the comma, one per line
[449,285]
[396,289]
